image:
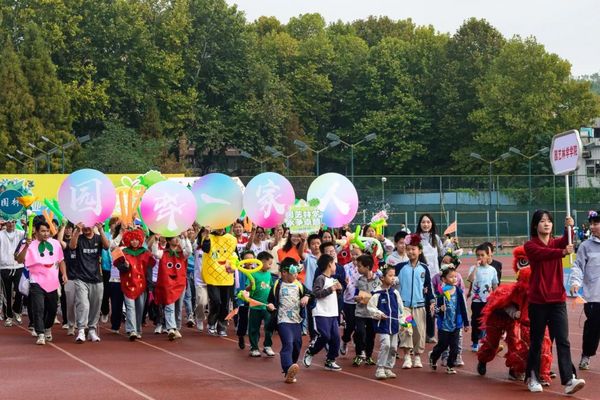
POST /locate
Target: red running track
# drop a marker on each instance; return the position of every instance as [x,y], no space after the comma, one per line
[202,367]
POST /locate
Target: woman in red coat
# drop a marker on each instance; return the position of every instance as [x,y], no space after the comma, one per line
[547,300]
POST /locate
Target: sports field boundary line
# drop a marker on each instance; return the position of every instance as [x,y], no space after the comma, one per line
[287,396]
[90,366]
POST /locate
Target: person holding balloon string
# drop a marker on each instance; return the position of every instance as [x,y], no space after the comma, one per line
[287,301]
[87,278]
[171,280]
[68,289]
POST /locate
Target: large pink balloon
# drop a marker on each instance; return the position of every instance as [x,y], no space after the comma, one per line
[267,199]
[87,196]
[168,208]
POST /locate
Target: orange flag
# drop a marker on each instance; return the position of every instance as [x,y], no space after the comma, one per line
[451,228]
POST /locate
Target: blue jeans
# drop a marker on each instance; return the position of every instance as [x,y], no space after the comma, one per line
[291,344]
[190,294]
[327,334]
[134,310]
[173,313]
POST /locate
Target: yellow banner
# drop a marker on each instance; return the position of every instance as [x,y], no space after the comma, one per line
[45,186]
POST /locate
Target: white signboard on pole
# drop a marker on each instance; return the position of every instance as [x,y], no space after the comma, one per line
[565,152]
[564,157]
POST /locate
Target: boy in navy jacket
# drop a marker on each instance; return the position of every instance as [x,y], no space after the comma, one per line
[452,316]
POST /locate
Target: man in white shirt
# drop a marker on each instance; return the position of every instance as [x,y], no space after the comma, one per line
[11,271]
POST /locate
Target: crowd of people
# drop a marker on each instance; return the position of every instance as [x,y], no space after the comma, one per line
[336,289]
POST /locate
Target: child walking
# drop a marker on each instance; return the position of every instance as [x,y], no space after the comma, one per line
[483,280]
[451,319]
[259,313]
[287,301]
[414,285]
[584,273]
[386,307]
[241,282]
[325,313]
[364,337]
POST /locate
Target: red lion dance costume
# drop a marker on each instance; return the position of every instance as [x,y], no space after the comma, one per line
[507,312]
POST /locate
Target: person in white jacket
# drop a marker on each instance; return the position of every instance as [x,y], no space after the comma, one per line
[586,273]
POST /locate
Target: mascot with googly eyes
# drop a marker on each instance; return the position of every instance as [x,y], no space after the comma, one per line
[171,279]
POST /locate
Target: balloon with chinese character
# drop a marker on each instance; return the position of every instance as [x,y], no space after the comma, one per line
[337,197]
[218,200]
[168,208]
[267,198]
[87,196]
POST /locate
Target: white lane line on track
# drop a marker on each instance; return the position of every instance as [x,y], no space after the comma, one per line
[287,396]
[377,381]
[106,375]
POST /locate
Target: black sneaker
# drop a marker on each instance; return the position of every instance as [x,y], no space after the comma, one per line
[481,368]
[370,361]
[241,342]
[358,361]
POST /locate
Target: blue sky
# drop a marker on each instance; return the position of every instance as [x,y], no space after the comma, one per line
[568,28]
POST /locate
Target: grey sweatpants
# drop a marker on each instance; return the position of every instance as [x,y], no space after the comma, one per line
[387,351]
[69,292]
[88,298]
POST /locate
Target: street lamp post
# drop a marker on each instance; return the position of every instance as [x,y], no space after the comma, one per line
[35,161]
[335,138]
[62,150]
[383,181]
[303,147]
[278,153]
[33,146]
[490,163]
[15,159]
[248,155]
[543,150]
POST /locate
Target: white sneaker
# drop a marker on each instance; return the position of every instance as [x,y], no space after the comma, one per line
[32,332]
[178,334]
[8,323]
[459,361]
[104,319]
[534,386]
[48,335]
[71,331]
[190,321]
[307,359]
[65,326]
[344,348]
[254,353]
[158,330]
[171,333]
[41,340]
[574,385]
[18,318]
[269,351]
[417,362]
[132,336]
[389,373]
[380,373]
[93,336]
[200,325]
[407,362]
[80,336]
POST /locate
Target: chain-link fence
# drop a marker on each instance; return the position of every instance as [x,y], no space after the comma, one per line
[497,207]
